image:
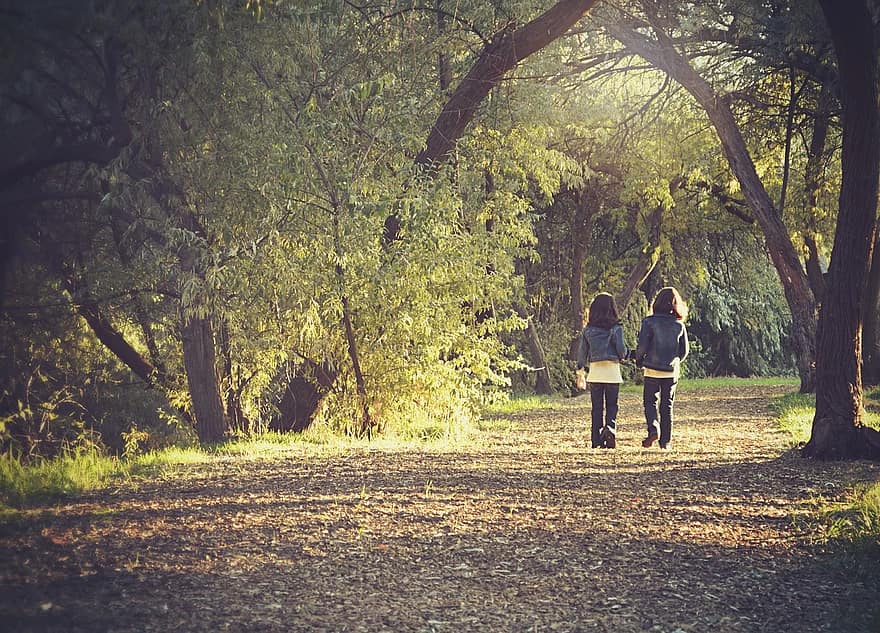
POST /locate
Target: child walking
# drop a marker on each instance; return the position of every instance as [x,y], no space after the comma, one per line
[663,344]
[601,350]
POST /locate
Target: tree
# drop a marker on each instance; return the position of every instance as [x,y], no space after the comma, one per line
[661,51]
[837,431]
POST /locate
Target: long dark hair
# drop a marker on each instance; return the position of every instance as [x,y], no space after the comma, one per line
[603,311]
[668,301]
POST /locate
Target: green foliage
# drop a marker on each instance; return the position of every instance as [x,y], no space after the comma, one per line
[266,156]
[738,314]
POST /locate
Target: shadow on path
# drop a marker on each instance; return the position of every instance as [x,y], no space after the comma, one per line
[530,532]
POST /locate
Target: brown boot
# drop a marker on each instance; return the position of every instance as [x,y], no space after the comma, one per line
[648,441]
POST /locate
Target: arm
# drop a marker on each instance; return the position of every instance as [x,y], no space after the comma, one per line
[583,353]
[645,333]
[683,344]
[619,345]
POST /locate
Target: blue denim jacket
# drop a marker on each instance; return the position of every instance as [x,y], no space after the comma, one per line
[662,339]
[598,343]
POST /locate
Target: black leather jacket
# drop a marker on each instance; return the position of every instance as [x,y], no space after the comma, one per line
[662,339]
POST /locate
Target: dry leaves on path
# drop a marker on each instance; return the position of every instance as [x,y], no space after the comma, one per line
[531,531]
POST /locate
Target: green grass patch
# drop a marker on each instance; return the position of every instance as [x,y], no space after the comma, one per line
[74,471]
[857,521]
[853,524]
[695,384]
[521,404]
[794,415]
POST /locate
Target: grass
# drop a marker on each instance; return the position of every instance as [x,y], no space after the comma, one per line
[79,470]
[794,415]
[695,384]
[853,524]
[521,404]
[74,471]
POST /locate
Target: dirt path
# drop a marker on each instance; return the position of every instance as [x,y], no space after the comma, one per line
[530,532]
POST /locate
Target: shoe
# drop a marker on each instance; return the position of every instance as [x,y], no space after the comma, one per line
[609,440]
[648,441]
[667,446]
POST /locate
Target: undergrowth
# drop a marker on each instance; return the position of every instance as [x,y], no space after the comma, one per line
[75,470]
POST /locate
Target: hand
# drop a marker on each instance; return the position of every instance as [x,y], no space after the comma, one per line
[581,380]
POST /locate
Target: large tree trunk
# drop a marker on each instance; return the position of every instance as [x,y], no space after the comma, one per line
[838,432]
[200,362]
[784,256]
[871,326]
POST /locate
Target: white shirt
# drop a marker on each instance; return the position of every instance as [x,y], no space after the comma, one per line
[605,371]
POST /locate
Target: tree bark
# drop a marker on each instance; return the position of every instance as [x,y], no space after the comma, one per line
[231,388]
[798,294]
[543,385]
[871,327]
[112,339]
[303,395]
[813,182]
[367,423]
[837,431]
[200,362]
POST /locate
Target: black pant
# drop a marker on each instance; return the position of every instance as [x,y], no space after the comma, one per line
[603,398]
[659,396]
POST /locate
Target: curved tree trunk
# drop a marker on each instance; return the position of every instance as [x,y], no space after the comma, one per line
[303,396]
[501,55]
[798,294]
[646,262]
[837,428]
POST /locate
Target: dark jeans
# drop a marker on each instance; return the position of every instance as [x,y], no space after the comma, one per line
[603,397]
[659,396]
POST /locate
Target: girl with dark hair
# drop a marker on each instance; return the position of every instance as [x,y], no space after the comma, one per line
[663,344]
[601,349]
